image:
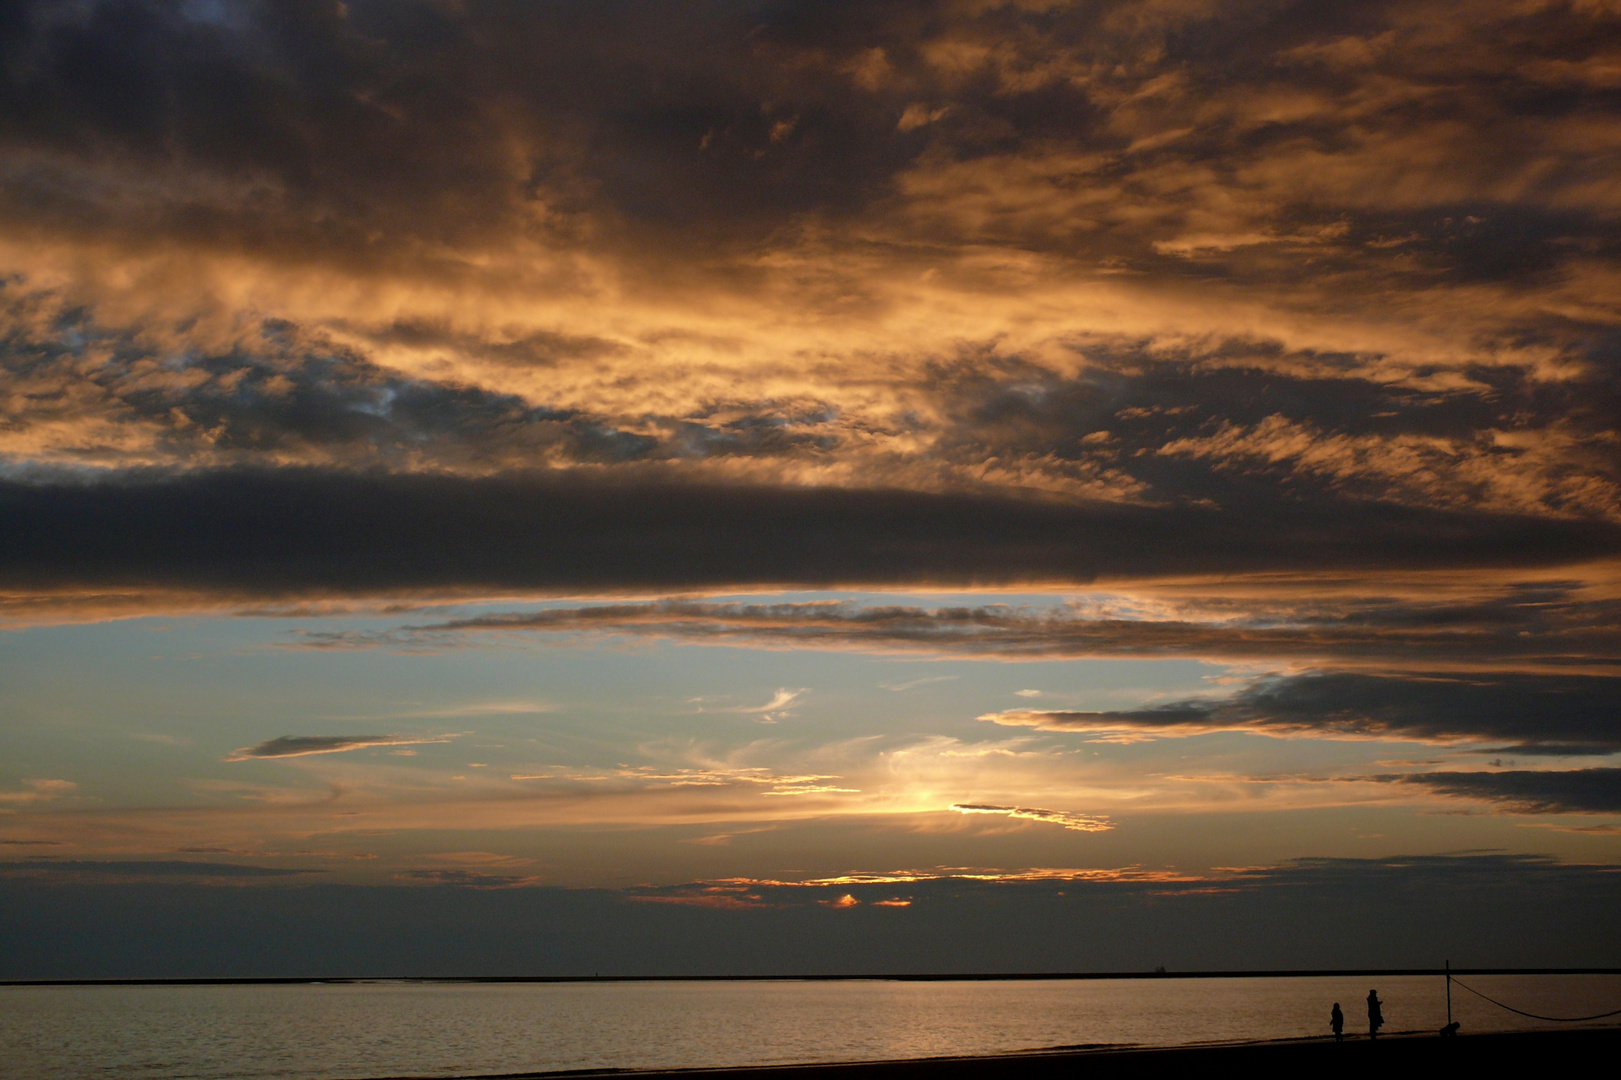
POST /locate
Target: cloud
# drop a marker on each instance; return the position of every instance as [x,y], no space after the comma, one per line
[908,92]
[286,746]
[1453,874]
[39,789]
[777,708]
[1533,627]
[1076,822]
[320,533]
[1575,791]
[474,879]
[715,776]
[913,684]
[772,294]
[855,889]
[489,708]
[1549,713]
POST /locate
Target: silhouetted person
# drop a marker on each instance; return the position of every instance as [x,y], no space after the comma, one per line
[1336,1020]
[1376,1018]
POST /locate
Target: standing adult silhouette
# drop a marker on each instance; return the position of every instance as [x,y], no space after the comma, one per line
[1336,1020]
[1376,1018]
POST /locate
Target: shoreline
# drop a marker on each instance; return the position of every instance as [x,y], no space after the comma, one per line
[1492,1051]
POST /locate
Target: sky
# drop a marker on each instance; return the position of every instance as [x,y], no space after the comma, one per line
[904,485]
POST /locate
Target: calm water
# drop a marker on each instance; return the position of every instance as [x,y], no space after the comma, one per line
[435,1029]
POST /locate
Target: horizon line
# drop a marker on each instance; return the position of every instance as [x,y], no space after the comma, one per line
[1283,973]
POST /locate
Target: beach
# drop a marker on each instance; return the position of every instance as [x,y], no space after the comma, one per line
[1486,1054]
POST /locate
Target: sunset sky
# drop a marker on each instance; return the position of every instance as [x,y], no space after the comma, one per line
[813,455]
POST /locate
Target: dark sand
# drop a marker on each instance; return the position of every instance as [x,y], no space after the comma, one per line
[1522,1054]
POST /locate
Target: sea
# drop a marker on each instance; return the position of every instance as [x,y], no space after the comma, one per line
[364,1029]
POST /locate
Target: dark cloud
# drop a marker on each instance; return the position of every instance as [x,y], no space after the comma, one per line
[370,125]
[1243,421]
[301,530]
[282,392]
[1573,791]
[302,745]
[287,392]
[1552,713]
[368,128]
[1479,909]
[310,125]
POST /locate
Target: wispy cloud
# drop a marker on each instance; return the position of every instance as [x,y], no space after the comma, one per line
[1076,822]
[37,790]
[776,709]
[774,782]
[1555,626]
[913,684]
[286,746]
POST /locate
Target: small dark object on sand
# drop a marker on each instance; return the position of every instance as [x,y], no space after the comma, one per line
[1450,1031]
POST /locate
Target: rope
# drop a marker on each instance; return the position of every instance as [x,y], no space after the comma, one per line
[1534,1016]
